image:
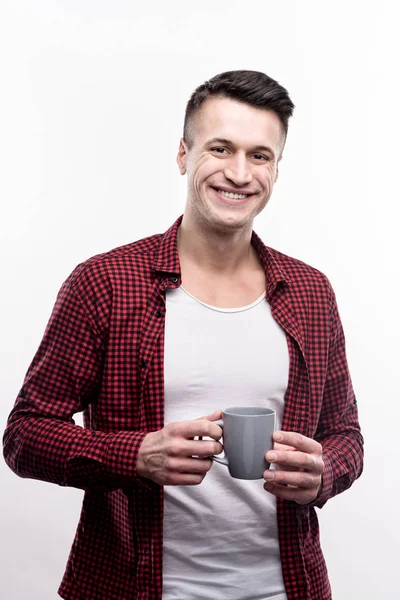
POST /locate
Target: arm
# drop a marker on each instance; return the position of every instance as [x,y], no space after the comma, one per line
[41,440]
[318,469]
[338,429]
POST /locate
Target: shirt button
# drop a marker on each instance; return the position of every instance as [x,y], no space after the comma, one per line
[159,313]
[174,279]
[143,363]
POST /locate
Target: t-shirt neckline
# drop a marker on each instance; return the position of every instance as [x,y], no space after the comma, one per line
[226,310]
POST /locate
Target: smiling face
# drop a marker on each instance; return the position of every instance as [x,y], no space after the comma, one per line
[232,163]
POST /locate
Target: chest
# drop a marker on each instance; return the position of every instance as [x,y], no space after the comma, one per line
[224,290]
[136,348]
[221,357]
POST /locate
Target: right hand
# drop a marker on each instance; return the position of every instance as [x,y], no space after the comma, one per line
[166,456]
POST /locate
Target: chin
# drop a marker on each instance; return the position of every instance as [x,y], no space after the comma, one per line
[226,224]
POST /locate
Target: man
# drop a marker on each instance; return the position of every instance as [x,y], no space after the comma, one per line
[149,337]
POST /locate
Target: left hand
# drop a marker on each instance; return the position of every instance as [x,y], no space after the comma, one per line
[299,469]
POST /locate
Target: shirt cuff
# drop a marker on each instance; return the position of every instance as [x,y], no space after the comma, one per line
[122,457]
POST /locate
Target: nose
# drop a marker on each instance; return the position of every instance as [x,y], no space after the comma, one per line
[238,170]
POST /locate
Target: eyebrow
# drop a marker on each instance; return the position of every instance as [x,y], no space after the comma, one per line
[230,143]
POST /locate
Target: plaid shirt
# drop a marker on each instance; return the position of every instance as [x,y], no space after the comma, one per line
[102,353]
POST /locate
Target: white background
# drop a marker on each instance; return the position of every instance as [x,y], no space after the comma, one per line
[91,111]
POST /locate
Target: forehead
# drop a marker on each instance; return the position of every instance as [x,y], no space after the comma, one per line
[241,123]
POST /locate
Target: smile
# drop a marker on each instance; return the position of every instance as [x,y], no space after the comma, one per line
[233,196]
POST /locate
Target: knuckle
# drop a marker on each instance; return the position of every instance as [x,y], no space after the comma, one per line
[310,481]
[300,480]
[174,448]
[208,427]
[308,460]
[168,479]
[170,428]
[209,449]
[201,465]
[213,430]
[207,465]
[304,480]
[204,426]
[169,464]
[216,448]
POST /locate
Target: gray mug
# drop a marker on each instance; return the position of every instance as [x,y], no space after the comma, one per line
[247,437]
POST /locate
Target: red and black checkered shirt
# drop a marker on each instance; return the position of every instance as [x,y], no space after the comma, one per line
[103,353]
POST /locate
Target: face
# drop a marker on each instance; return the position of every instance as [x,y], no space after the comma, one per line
[232,165]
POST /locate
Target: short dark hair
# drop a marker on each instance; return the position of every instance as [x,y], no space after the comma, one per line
[250,87]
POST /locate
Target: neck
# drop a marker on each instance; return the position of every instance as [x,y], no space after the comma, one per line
[223,252]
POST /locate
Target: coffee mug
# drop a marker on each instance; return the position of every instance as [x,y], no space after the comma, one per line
[247,436]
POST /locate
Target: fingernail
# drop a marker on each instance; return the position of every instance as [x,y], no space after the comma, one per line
[271,456]
[278,437]
[269,476]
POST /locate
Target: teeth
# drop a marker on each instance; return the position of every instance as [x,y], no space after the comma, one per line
[233,196]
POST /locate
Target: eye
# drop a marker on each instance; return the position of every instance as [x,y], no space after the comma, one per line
[219,150]
[261,157]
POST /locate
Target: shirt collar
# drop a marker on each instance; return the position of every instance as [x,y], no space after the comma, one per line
[274,271]
[167,259]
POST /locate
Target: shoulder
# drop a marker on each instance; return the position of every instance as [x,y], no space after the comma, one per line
[124,269]
[304,281]
[139,251]
[296,269]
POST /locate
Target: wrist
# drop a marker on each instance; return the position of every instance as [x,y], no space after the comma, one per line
[141,462]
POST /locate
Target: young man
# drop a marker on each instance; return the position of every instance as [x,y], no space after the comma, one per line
[149,337]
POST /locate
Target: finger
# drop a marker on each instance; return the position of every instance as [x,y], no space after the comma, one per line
[180,447]
[183,479]
[293,478]
[214,417]
[286,468]
[190,465]
[299,460]
[191,429]
[297,441]
[299,495]
[278,446]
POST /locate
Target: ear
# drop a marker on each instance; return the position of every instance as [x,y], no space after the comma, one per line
[182,156]
[277,168]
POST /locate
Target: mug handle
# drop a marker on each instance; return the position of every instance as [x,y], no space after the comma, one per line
[219,459]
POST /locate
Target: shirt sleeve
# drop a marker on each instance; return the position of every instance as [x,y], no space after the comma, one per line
[41,440]
[338,430]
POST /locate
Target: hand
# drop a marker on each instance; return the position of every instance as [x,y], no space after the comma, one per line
[299,469]
[167,456]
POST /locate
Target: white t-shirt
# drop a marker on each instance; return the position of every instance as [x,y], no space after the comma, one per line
[221,537]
